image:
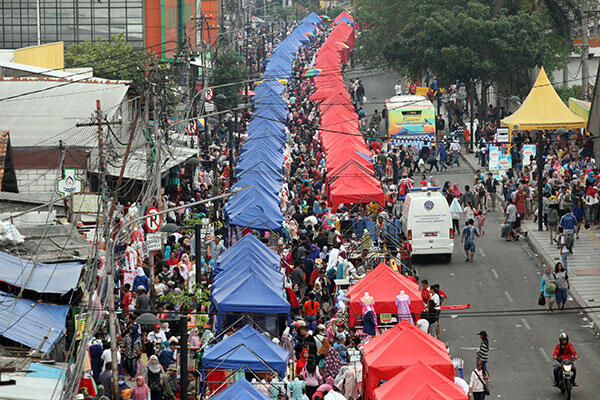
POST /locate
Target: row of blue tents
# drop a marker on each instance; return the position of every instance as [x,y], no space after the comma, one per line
[260,164]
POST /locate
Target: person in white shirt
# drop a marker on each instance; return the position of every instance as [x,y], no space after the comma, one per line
[157,336]
[107,355]
[398,88]
[478,378]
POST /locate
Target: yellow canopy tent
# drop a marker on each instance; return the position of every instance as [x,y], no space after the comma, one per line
[543,109]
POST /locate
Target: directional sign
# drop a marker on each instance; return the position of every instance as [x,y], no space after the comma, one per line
[208,94]
[240,34]
[191,128]
[154,219]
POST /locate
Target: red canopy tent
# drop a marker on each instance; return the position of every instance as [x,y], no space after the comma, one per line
[420,382]
[353,190]
[391,334]
[384,284]
[399,352]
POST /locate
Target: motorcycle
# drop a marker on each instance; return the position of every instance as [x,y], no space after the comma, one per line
[565,377]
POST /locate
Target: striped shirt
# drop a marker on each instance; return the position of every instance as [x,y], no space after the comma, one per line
[484,350]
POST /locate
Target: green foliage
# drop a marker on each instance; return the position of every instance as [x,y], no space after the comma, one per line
[565,93]
[460,40]
[192,298]
[229,68]
[113,59]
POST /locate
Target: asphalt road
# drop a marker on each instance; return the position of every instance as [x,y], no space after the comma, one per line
[504,276]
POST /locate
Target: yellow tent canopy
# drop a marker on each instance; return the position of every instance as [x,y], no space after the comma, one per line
[543,109]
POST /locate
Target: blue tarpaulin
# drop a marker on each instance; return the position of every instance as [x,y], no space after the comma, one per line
[41,278]
[241,390]
[247,246]
[27,322]
[247,349]
[250,294]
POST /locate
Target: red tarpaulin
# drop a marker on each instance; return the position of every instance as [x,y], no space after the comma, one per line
[384,284]
[420,382]
[391,334]
[400,352]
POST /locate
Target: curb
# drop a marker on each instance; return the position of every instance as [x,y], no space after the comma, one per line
[541,253]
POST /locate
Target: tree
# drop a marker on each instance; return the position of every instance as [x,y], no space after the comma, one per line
[461,40]
[112,59]
[229,77]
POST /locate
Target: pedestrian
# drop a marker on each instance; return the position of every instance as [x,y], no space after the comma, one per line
[491,185]
[479,382]
[468,237]
[480,217]
[562,285]
[563,249]
[510,219]
[484,350]
[548,288]
[105,379]
[552,221]
[360,93]
[398,88]
[168,382]
[456,211]
[141,390]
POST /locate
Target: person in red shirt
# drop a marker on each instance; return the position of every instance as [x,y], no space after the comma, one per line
[564,351]
[126,301]
[425,292]
[405,253]
[520,199]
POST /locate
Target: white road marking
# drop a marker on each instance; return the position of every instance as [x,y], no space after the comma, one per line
[525,323]
[476,348]
[508,297]
[544,354]
[482,252]
[495,273]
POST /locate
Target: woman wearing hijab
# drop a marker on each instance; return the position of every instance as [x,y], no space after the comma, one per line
[456,192]
[154,371]
[333,363]
[194,339]
[141,280]
[314,252]
[317,208]
[131,341]
[301,363]
[141,390]
[445,187]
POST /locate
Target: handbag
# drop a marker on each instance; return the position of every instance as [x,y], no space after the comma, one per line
[542,299]
[486,388]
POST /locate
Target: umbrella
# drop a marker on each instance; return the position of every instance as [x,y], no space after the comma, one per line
[147,319]
[326,17]
[312,72]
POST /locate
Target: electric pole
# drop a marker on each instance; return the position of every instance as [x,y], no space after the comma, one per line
[110,298]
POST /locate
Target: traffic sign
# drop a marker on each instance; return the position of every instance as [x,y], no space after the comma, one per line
[240,34]
[154,241]
[154,219]
[254,19]
[191,128]
[208,94]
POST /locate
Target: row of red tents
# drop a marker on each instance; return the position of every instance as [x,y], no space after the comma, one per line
[350,173]
[412,364]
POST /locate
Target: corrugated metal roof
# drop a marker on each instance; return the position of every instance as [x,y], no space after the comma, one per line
[44,118]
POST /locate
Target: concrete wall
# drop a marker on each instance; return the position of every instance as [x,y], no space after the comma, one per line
[41,180]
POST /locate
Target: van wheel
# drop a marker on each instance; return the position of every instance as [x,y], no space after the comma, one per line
[448,258]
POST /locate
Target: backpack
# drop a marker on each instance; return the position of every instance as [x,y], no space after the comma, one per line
[402,189]
[569,241]
[481,191]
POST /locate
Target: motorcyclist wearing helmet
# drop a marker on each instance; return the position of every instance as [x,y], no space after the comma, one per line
[564,351]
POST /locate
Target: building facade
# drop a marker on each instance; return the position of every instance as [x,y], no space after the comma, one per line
[151,24]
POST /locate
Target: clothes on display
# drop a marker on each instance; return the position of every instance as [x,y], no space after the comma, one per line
[403,304]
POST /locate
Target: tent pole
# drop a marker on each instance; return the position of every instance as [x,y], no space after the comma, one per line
[540,175]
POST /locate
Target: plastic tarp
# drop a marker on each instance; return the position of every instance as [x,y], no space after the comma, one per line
[41,278]
[543,109]
[251,295]
[384,284]
[400,352]
[27,322]
[391,334]
[241,390]
[248,245]
[246,349]
[420,382]
[233,275]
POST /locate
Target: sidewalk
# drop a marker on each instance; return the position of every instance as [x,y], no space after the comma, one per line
[583,264]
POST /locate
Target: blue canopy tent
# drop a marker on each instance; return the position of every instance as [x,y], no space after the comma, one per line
[232,275]
[254,157]
[27,322]
[248,265]
[251,295]
[346,20]
[246,349]
[241,390]
[247,245]
[251,195]
[257,215]
[312,18]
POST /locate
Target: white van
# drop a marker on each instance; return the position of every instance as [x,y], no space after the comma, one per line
[427,223]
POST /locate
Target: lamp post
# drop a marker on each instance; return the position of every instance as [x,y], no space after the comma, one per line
[110,250]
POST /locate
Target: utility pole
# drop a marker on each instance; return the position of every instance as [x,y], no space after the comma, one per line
[584,51]
[110,295]
[230,151]
[183,347]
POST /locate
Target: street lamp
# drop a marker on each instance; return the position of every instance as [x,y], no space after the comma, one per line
[110,250]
